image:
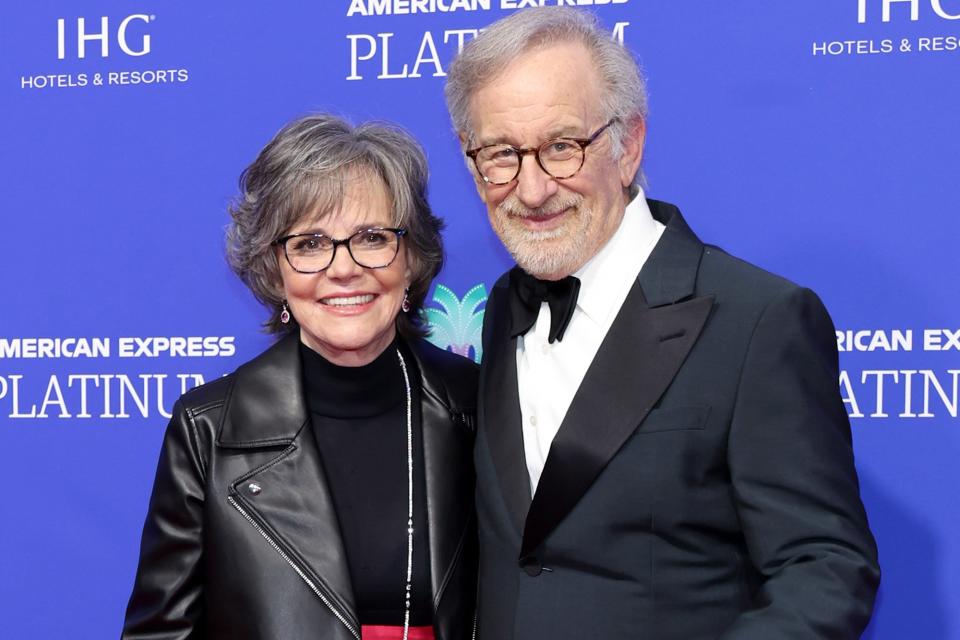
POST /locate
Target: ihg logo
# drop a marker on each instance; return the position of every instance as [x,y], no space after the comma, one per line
[129,35]
[867,9]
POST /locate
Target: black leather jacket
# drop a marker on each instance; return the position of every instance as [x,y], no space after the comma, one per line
[241,540]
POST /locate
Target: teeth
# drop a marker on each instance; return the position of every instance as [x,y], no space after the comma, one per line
[346,302]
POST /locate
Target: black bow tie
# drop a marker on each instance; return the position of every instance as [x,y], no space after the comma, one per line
[527,293]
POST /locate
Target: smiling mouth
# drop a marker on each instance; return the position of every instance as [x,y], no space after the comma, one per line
[549,211]
[543,217]
[347,301]
[543,222]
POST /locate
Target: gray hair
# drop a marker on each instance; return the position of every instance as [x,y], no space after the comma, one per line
[303,172]
[625,95]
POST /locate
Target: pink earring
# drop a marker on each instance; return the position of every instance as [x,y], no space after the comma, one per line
[284,313]
[405,305]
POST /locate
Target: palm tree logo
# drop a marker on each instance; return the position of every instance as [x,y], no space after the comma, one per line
[458,325]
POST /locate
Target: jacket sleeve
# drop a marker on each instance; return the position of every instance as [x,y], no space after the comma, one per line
[167,598]
[795,485]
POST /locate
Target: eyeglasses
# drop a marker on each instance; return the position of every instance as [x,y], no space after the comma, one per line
[560,158]
[374,248]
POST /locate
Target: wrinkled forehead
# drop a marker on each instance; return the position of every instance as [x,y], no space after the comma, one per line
[552,88]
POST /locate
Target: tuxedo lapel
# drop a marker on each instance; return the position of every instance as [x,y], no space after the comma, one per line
[639,357]
[500,416]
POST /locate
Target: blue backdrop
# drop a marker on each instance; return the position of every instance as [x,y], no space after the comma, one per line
[818,139]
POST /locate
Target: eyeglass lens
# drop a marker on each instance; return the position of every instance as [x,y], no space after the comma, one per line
[560,157]
[369,248]
[500,163]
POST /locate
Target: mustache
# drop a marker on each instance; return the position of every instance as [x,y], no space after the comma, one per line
[557,203]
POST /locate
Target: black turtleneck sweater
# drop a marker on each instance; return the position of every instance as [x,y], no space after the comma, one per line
[359,418]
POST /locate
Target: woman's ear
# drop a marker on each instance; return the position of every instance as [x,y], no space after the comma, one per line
[632,155]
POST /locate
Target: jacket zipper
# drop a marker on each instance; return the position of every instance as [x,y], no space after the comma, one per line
[300,572]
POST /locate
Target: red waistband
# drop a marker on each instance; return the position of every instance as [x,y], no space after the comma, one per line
[389,632]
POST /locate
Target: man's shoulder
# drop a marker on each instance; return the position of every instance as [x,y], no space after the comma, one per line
[503,281]
[748,291]
[498,292]
[453,378]
[716,267]
[724,269]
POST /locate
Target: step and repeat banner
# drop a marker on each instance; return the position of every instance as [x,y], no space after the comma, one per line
[819,139]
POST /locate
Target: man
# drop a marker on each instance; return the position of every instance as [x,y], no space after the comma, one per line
[662,449]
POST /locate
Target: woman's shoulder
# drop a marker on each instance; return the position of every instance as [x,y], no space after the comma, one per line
[452,378]
[262,370]
[212,394]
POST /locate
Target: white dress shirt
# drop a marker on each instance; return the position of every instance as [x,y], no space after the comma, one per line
[548,375]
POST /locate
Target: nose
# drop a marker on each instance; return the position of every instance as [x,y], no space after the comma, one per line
[343,267]
[534,185]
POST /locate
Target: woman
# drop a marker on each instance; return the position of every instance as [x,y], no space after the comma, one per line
[324,489]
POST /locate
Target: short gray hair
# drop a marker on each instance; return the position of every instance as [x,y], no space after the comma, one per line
[303,172]
[625,95]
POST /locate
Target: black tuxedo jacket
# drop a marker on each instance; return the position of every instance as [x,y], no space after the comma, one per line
[702,483]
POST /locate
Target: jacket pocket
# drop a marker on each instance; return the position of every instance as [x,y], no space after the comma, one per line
[682,418]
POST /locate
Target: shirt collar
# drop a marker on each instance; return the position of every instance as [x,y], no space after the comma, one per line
[608,276]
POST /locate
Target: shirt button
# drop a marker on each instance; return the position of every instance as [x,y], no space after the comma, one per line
[545,349]
[533,420]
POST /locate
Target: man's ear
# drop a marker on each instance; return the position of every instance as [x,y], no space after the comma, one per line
[471,167]
[632,151]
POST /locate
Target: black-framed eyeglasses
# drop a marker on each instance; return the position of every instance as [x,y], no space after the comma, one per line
[560,158]
[373,248]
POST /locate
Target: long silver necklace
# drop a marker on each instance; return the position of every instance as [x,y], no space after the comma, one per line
[406,610]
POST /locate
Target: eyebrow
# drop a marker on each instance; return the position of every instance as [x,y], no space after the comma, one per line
[571,131]
[363,226]
[565,132]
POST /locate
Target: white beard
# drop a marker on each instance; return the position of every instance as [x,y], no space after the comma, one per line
[550,253]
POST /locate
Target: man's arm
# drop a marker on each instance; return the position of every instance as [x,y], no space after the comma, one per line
[795,485]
